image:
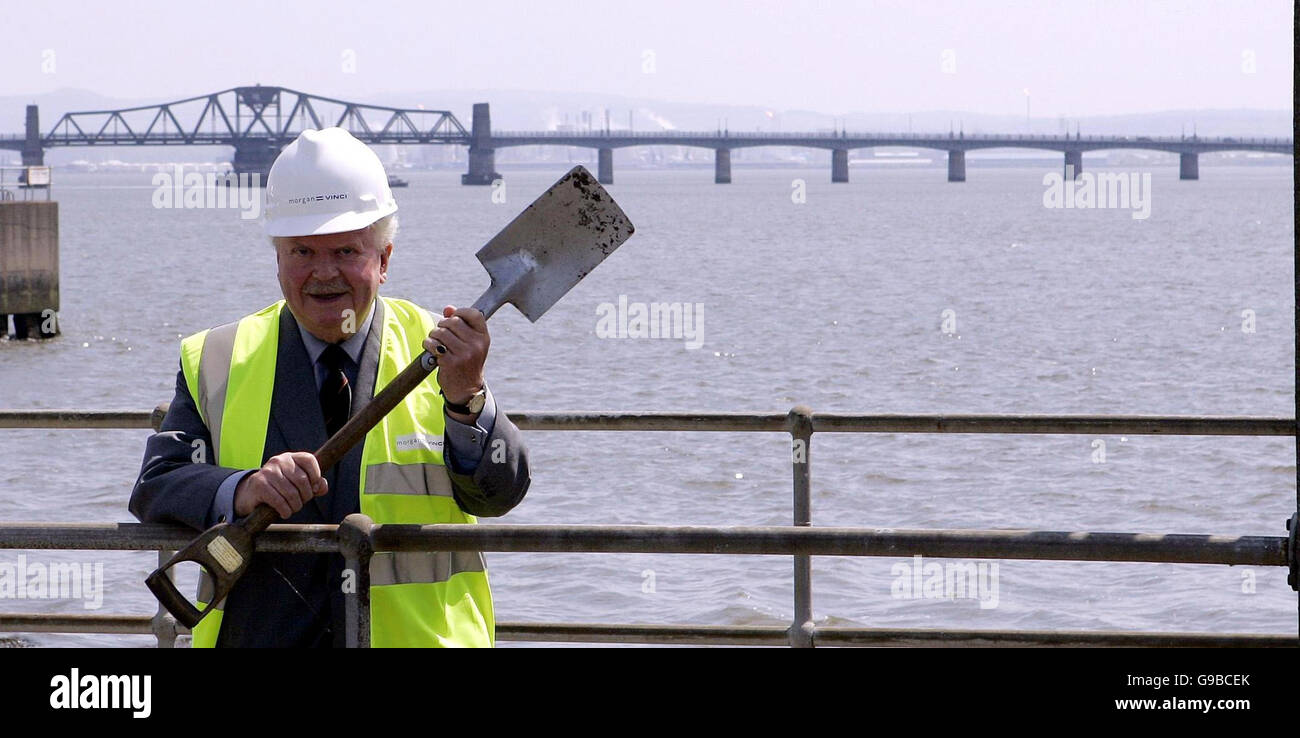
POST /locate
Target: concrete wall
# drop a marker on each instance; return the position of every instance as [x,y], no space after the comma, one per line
[29,257]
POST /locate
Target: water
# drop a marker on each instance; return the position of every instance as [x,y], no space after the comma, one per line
[836,303]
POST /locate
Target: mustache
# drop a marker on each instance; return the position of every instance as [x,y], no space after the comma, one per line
[327,288]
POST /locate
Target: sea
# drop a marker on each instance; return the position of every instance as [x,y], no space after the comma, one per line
[898,292]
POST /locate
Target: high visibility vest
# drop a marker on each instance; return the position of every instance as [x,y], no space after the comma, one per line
[416,598]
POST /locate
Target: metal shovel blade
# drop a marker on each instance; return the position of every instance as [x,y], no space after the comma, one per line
[555,242]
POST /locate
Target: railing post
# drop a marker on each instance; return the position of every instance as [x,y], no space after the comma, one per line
[156,417]
[163,624]
[357,548]
[800,426]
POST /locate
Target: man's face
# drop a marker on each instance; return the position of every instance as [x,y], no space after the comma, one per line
[330,281]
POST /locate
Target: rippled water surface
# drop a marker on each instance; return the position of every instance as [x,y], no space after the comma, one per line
[837,303]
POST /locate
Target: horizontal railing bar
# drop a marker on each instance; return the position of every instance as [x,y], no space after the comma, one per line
[705,635]
[1193,425]
[722,422]
[818,541]
[776,635]
[1180,425]
[153,537]
[74,419]
[16,622]
[760,540]
[906,637]
[726,635]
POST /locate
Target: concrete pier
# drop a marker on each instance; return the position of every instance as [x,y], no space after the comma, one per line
[1189,166]
[605,166]
[956,166]
[33,153]
[482,157]
[722,166]
[29,268]
[1073,159]
[840,165]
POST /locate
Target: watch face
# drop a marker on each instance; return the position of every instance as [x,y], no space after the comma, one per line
[477,402]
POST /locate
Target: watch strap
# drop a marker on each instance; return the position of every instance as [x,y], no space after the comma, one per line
[461,409]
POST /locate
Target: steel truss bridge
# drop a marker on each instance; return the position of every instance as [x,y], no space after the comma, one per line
[259,121]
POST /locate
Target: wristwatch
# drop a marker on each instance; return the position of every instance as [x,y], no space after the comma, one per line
[473,407]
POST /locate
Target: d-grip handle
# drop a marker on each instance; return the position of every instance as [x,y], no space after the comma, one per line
[223,551]
[165,590]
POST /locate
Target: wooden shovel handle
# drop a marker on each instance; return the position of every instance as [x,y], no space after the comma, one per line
[224,550]
[355,430]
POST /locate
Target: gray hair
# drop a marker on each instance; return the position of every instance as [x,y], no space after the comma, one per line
[383,231]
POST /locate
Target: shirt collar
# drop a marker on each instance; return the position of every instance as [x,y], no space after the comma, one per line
[353,345]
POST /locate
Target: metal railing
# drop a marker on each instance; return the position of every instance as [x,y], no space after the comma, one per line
[357,538]
[13,181]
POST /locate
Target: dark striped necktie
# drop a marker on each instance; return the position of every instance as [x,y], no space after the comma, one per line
[335,392]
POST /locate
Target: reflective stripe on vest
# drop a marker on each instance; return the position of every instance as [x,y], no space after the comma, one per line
[417,598]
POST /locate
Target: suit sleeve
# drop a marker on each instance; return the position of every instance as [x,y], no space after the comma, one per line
[179,478]
[502,476]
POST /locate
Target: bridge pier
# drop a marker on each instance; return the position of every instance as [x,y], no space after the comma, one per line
[482,167]
[956,166]
[33,154]
[1189,166]
[482,157]
[255,157]
[605,166]
[839,165]
[1073,159]
[722,166]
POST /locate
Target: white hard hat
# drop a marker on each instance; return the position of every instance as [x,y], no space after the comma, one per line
[326,181]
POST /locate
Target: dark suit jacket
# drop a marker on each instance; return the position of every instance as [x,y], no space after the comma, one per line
[296,599]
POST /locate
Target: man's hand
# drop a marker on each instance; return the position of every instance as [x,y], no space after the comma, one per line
[465,335]
[285,482]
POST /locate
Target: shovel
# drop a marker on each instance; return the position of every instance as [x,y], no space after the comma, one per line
[533,262]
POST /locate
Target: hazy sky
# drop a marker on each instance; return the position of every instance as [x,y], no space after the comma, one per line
[1076,57]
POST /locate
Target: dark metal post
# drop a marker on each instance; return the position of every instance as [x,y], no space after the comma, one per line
[357,548]
[800,425]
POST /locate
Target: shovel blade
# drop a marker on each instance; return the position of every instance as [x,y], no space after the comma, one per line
[555,242]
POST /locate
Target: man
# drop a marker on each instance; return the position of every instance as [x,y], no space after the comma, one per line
[254,397]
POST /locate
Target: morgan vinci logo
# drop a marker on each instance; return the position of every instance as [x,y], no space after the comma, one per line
[317,198]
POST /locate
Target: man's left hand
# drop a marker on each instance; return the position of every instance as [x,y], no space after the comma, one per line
[464,333]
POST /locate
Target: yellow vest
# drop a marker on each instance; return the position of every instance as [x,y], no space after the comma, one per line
[416,598]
